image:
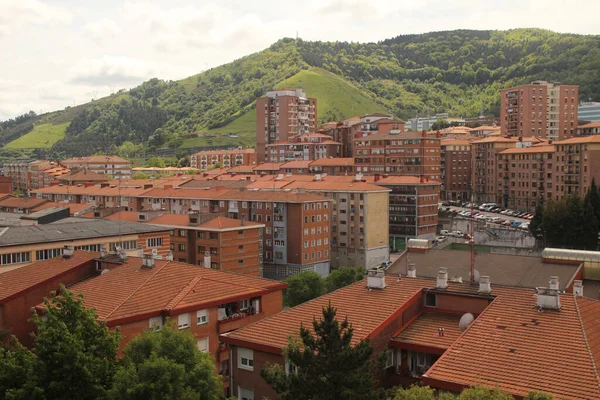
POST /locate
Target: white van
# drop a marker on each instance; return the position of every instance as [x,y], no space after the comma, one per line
[487,206]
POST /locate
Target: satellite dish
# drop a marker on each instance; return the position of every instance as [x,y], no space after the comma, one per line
[466,320]
[476,275]
[104,271]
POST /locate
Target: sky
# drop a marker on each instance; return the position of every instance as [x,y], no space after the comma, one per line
[58,53]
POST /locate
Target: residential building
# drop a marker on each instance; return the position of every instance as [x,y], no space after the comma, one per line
[400,154]
[20,205]
[21,245]
[6,184]
[103,164]
[484,168]
[79,177]
[225,158]
[577,163]
[28,174]
[455,165]
[306,147]
[589,111]
[297,167]
[282,114]
[540,109]
[592,128]
[332,166]
[480,121]
[343,133]
[426,325]
[426,123]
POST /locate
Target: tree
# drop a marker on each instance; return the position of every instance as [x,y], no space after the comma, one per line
[75,356]
[481,393]
[539,396]
[16,364]
[17,193]
[302,287]
[155,162]
[414,393]
[342,277]
[593,198]
[140,175]
[536,227]
[166,364]
[328,366]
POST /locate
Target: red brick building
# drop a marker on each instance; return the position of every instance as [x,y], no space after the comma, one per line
[541,109]
[282,114]
[456,169]
[6,184]
[311,146]
[225,158]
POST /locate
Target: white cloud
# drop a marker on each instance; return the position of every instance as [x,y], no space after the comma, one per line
[17,13]
[102,29]
[111,70]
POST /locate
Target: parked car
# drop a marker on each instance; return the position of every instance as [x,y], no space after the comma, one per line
[524,225]
[507,222]
[444,232]
[456,234]
[515,224]
[501,221]
[494,219]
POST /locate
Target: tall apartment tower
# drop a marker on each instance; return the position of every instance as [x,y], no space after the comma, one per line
[282,114]
[542,109]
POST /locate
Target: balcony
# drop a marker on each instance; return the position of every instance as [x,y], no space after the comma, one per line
[238,319]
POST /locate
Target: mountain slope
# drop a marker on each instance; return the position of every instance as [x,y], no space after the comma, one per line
[459,72]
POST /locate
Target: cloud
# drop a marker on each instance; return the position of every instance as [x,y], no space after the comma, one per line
[112,70]
[101,30]
[17,13]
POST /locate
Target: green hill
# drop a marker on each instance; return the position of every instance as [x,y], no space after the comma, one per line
[459,72]
[42,136]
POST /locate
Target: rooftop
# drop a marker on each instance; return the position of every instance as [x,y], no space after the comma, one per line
[505,270]
[100,159]
[130,292]
[21,202]
[530,150]
[333,162]
[65,231]
[84,175]
[216,223]
[424,330]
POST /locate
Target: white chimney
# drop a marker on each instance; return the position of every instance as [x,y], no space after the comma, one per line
[147,261]
[123,255]
[376,279]
[578,288]
[549,297]
[442,278]
[484,285]
[140,251]
[206,259]
[358,177]
[68,251]
[169,256]
[103,252]
[412,271]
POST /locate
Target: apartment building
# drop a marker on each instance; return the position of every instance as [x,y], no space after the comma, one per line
[225,158]
[6,185]
[359,222]
[282,114]
[592,128]
[526,176]
[484,168]
[577,162]
[306,147]
[332,166]
[589,111]
[20,205]
[21,245]
[343,133]
[400,154]
[103,164]
[421,323]
[80,177]
[456,173]
[540,109]
[28,175]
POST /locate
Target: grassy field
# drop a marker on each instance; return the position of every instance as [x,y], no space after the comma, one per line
[337,99]
[42,136]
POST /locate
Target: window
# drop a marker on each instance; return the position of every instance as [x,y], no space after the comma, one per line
[203,345]
[213,235]
[154,242]
[244,304]
[183,321]
[240,263]
[15,258]
[202,317]
[241,247]
[156,323]
[182,247]
[389,362]
[290,368]
[126,245]
[182,232]
[200,235]
[430,300]
[39,255]
[245,394]
[246,358]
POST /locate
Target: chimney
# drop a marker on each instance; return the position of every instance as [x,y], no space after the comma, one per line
[194,218]
[578,288]
[147,261]
[550,141]
[412,271]
[318,177]
[207,259]
[104,184]
[103,252]
[140,250]
[123,255]
[68,251]
[169,256]
[442,279]
[549,297]
[377,177]
[376,279]
[484,285]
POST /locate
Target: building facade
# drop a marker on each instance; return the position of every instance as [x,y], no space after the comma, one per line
[307,147]
[104,164]
[541,109]
[589,111]
[456,176]
[282,114]
[224,158]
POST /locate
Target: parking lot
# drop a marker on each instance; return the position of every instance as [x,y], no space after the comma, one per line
[491,217]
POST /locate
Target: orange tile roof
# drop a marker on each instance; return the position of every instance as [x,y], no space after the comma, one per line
[399,136]
[280,196]
[515,348]
[296,164]
[333,162]
[268,167]
[337,186]
[272,184]
[424,330]
[100,159]
[223,152]
[581,139]
[241,169]
[529,150]
[74,208]
[130,292]
[84,175]
[17,281]
[496,139]
[22,202]
[186,193]
[590,125]
[217,223]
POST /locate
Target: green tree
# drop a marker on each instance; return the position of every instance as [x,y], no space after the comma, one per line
[75,355]
[302,287]
[155,162]
[140,175]
[16,365]
[166,364]
[539,396]
[342,277]
[481,393]
[536,226]
[327,365]
[593,198]
[17,193]
[414,393]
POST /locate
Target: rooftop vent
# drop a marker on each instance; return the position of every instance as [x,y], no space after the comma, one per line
[376,279]
[103,252]
[147,261]
[442,278]
[578,288]
[412,271]
[123,255]
[68,251]
[548,297]
[484,285]
[169,256]
[140,250]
